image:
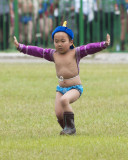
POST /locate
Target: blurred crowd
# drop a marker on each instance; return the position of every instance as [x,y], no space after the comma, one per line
[38,18]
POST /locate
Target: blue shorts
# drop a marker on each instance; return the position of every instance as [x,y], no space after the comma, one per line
[25,19]
[63,90]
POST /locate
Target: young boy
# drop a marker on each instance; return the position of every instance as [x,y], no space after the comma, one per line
[66,59]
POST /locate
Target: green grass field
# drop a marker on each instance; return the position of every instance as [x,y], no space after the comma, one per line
[28,126]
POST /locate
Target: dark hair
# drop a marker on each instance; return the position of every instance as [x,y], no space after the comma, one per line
[69,38]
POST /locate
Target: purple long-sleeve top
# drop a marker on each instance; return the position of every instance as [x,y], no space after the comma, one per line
[47,54]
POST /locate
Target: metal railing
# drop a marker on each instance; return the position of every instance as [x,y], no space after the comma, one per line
[32,22]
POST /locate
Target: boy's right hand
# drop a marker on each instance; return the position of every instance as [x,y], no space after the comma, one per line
[16,42]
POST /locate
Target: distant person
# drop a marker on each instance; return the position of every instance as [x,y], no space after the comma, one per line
[12,18]
[66,11]
[25,21]
[35,21]
[77,14]
[66,59]
[123,6]
[4,24]
[88,17]
[107,11]
[88,11]
[96,9]
[46,19]
[56,13]
[96,21]
[50,16]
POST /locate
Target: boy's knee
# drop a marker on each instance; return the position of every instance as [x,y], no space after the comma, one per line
[64,101]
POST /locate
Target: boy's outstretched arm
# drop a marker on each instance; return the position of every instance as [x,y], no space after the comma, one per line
[35,51]
[92,48]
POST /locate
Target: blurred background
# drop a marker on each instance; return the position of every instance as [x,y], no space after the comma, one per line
[32,22]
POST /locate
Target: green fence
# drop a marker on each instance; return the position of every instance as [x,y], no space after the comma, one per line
[32,22]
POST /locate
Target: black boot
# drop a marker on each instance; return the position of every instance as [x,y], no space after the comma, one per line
[69,125]
[61,122]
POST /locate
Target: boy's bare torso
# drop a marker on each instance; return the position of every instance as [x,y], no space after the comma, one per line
[66,66]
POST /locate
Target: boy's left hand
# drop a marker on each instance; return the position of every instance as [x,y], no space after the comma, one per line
[107,42]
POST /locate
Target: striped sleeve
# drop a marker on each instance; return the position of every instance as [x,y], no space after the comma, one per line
[90,48]
[37,52]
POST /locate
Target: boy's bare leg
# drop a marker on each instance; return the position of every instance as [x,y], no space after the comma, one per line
[68,98]
[58,107]
[68,117]
[62,104]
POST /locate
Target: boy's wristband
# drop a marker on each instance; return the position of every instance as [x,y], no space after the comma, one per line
[104,44]
[20,47]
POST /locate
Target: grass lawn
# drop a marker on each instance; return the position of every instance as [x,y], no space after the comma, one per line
[28,126]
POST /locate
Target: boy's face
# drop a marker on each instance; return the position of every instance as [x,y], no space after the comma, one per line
[62,42]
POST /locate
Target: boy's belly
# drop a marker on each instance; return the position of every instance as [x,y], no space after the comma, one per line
[70,82]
